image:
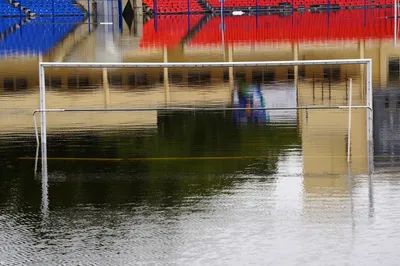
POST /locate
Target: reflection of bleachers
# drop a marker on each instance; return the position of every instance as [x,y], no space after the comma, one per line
[344,24]
[243,3]
[297,3]
[174,6]
[38,36]
[387,129]
[51,7]
[8,10]
[183,6]
[167,30]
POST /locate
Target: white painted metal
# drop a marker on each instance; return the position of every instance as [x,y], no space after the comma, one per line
[349,128]
[37,155]
[369,115]
[395,22]
[43,65]
[138,109]
[36,130]
[207,64]
[43,122]
[45,193]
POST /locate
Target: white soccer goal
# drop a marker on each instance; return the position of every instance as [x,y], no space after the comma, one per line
[368,62]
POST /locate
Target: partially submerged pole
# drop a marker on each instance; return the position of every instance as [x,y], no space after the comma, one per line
[43,122]
[349,128]
[395,22]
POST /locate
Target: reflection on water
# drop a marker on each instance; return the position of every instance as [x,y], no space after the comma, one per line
[264,96]
[386,124]
[226,187]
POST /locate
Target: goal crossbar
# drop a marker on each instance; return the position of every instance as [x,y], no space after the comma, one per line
[205,64]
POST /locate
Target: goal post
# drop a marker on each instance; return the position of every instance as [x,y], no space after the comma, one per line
[46,65]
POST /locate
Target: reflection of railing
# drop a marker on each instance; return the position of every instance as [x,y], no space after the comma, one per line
[187,109]
[43,109]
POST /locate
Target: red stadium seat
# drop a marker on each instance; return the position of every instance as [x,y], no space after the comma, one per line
[167,30]
[303,28]
[176,6]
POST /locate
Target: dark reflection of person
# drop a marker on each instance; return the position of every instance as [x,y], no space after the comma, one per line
[249,96]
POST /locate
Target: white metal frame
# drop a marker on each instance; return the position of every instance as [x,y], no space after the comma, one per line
[368,62]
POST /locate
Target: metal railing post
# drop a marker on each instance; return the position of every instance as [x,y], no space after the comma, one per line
[370,133]
[43,123]
[45,187]
[395,22]
[349,128]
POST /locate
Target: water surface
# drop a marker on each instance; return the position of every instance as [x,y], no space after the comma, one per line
[199,188]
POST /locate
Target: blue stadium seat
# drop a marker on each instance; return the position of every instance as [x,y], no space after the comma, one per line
[8,10]
[8,23]
[37,36]
[52,7]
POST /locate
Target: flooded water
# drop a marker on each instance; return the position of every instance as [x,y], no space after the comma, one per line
[231,187]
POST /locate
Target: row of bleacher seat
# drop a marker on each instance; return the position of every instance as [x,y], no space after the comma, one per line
[7,23]
[339,25]
[7,10]
[36,37]
[167,30]
[297,3]
[51,7]
[173,6]
[183,6]
[41,8]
